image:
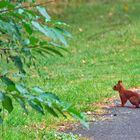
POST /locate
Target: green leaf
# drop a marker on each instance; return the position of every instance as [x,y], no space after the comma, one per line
[44,13]
[48,99]
[39,27]
[64,32]
[16,30]
[45,95]
[54,51]
[38,90]
[50,33]
[45,30]
[75,114]
[16,15]
[4,4]
[33,40]
[2,96]
[7,104]
[26,42]
[59,109]
[18,63]
[36,105]
[11,29]
[59,36]
[51,110]
[60,47]
[79,116]
[28,28]
[40,52]
[42,29]
[44,51]
[48,96]
[21,89]
[9,83]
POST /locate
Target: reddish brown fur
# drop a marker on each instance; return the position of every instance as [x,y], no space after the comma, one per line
[125,95]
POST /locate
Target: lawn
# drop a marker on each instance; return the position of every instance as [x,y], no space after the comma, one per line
[105,48]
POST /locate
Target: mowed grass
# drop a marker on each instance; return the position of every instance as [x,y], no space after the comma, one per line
[105,48]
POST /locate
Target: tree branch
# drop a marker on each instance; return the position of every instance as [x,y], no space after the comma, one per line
[7,49]
[38,4]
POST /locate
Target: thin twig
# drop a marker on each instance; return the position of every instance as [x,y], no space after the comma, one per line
[38,4]
[7,49]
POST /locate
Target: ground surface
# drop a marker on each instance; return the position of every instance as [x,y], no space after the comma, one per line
[121,123]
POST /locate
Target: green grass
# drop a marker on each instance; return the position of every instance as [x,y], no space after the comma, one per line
[105,48]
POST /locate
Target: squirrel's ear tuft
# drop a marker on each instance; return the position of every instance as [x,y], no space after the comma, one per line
[120,81]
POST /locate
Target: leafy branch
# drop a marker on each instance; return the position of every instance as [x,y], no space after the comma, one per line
[26,33]
[30,6]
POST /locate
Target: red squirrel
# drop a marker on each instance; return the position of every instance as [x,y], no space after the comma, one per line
[125,95]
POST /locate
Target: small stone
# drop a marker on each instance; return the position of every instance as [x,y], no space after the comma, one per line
[89,113]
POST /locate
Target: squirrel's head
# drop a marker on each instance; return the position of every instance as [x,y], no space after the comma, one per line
[118,86]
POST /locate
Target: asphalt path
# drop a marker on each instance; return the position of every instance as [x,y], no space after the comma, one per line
[120,123]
